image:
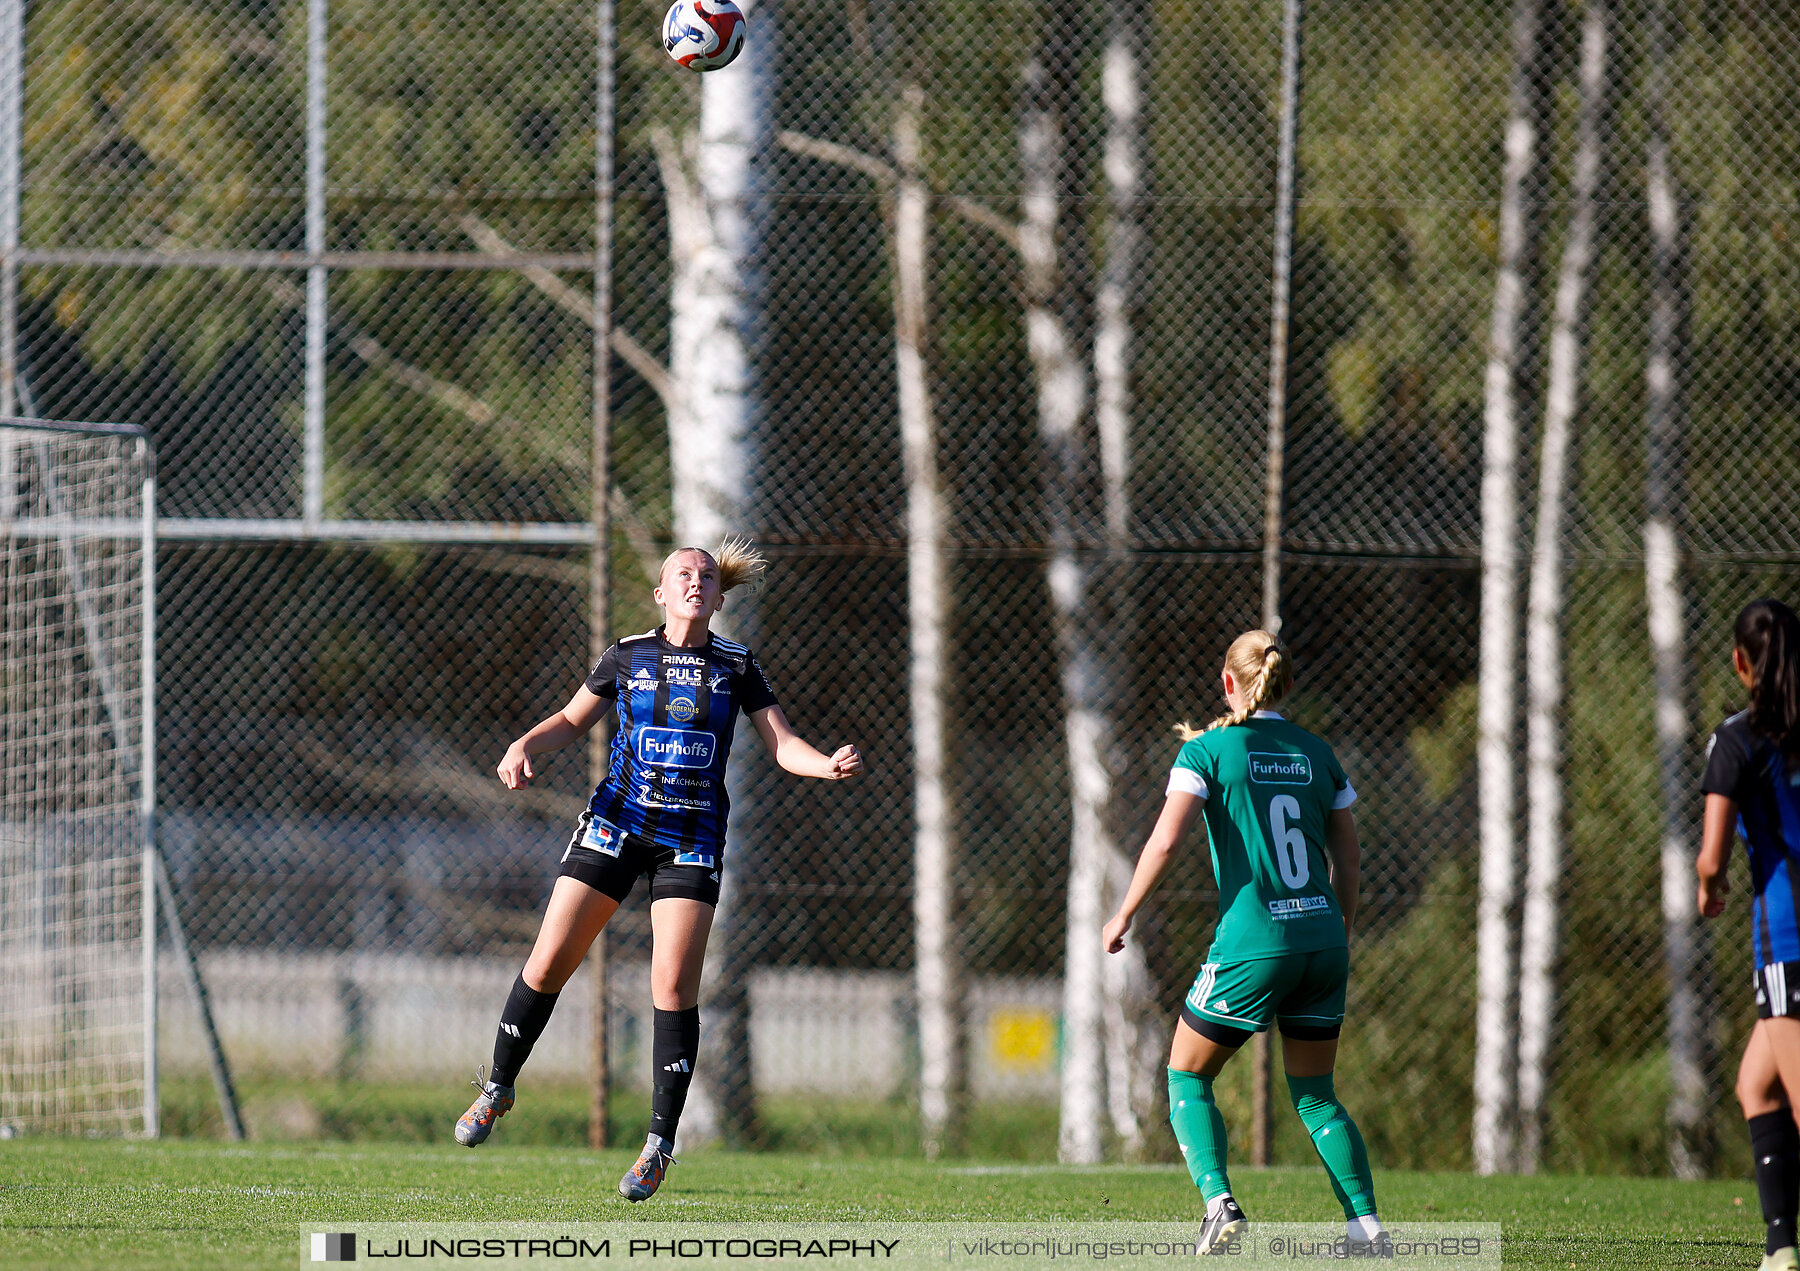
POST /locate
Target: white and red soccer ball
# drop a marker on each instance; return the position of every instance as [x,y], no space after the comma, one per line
[703,35]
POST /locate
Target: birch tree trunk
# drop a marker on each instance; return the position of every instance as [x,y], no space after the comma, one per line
[938,964]
[713,185]
[710,176]
[1052,327]
[1133,1036]
[1667,605]
[1525,140]
[1545,733]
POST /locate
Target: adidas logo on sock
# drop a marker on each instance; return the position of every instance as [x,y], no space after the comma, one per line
[512,1030]
[680,1065]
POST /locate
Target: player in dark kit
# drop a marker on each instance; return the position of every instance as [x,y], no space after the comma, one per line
[659,814]
[1752,783]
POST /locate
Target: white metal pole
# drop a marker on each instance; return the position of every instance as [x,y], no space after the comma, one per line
[1280,313]
[147,792]
[12,115]
[600,559]
[1287,180]
[313,442]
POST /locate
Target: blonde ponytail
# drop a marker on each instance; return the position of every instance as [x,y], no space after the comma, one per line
[738,562]
[1260,663]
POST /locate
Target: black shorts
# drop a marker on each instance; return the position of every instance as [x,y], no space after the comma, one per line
[1778,990]
[609,860]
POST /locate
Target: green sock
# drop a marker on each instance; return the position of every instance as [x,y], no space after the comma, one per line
[1339,1143]
[1200,1130]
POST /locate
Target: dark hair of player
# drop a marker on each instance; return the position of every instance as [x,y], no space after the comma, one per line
[1768,633]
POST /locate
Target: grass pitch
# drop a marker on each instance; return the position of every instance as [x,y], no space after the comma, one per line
[70,1204]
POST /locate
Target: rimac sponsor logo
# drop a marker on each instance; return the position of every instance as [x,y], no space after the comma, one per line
[337,1246]
[1280,770]
[1297,907]
[682,710]
[683,659]
[675,748]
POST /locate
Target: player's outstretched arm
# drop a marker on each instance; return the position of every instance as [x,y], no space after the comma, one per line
[1178,812]
[795,756]
[571,723]
[1346,862]
[1715,851]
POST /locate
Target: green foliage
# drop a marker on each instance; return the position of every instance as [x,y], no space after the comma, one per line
[1444,749]
[167,124]
[1408,1045]
[1406,204]
[555,1114]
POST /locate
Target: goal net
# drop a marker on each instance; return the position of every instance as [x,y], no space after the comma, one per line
[77,1005]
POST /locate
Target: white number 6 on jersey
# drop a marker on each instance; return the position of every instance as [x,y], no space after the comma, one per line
[1290,843]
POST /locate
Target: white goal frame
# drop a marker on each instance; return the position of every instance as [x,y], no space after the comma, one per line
[28,1102]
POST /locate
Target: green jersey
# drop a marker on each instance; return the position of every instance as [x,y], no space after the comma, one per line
[1268,786]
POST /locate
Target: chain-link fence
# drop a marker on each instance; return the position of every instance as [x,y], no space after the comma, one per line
[930,285]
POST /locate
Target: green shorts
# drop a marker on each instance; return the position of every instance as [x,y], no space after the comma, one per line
[1302,992]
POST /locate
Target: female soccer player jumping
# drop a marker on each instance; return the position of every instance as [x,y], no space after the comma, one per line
[1277,810]
[1752,782]
[660,813]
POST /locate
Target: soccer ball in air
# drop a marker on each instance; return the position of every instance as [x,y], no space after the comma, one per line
[703,35]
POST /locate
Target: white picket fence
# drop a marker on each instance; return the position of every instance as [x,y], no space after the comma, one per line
[399,1018]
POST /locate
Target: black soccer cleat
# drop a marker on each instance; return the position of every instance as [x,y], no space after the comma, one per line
[1225,1222]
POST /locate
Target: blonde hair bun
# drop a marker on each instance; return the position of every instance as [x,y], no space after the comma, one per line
[1260,663]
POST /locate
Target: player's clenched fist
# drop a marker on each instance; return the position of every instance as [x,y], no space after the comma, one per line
[846,761]
[515,768]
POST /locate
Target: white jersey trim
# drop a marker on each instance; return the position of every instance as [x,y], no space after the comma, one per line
[1186,781]
[1345,797]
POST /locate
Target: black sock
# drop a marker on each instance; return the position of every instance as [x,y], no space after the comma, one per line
[1775,1144]
[673,1049]
[521,1024]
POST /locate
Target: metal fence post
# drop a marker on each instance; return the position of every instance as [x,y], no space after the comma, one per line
[1275,491]
[600,562]
[312,479]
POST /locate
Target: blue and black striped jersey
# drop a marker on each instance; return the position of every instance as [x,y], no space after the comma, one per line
[677,710]
[1749,769]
